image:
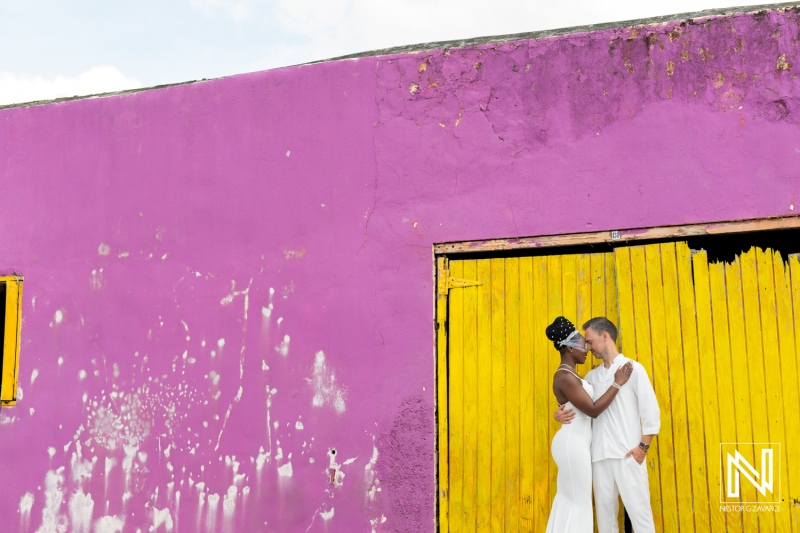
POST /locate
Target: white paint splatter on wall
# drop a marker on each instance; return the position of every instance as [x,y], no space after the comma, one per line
[53,520]
[228,509]
[325,515]
[283,348]
[285,470]
[211,518]
[125,418]
[375,522]
[81,507]
[262,458]
[25,506]
[96,281]
[125,421]
[162,517]
[372,482]
[109,524]
[326,392]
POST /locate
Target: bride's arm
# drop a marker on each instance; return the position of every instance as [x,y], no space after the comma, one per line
[572,388]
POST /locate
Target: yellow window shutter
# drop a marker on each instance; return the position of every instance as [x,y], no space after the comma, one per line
[11,339]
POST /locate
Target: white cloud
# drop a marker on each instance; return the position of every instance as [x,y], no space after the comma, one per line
[19,88]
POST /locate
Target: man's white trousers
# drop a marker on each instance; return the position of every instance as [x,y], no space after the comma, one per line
[628,479]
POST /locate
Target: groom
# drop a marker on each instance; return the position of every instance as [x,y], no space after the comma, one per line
[621,435]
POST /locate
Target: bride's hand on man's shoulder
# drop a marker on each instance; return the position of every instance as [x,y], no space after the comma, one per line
[623,373]
[563,416]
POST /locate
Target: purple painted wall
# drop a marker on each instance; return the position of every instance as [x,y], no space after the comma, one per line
[224,281]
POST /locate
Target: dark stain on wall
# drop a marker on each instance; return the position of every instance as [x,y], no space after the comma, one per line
[553,91]
[408,469]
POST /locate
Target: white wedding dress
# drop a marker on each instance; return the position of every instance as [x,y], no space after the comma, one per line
[572,506]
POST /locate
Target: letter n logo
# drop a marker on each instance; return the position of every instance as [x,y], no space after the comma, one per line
[749,464]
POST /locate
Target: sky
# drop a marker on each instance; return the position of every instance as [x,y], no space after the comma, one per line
[57,48]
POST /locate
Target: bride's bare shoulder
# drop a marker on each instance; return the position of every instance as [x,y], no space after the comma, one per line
[564,375]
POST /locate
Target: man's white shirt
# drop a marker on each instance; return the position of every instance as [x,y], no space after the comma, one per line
[633,413]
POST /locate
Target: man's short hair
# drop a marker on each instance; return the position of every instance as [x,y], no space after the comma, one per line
[601,324]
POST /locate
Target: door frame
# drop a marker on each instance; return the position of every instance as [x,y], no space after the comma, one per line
[442,251]
[618,236]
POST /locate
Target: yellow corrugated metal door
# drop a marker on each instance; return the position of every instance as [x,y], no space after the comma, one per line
[719,341]
[495,382]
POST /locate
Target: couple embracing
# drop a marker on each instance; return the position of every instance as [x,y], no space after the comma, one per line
[610,452]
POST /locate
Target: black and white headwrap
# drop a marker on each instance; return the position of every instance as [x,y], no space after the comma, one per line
[563,333]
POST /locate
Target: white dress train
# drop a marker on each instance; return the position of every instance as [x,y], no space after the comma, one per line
[572,452]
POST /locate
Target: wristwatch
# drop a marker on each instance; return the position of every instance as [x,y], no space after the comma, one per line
[644,446]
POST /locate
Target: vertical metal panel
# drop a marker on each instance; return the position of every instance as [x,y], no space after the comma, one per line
[555,308]
[694,399]
[498,396]
[792,383]
[612,305]
[742,411]
[484,451]
[512,392]
[772,377]
[471,380]
[644,355]
[755,362]
[545,470]
[722,351]
[527,424]
[708,379]
[583,266]
[441,401]
[661,463]
[673,350]
[455,403]
[627,337]
[788,377]
[598,284]
[569,288]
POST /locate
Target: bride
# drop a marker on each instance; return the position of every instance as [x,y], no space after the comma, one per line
[572,506]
